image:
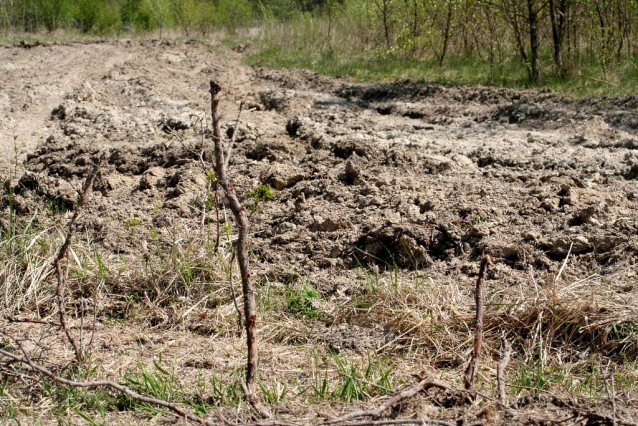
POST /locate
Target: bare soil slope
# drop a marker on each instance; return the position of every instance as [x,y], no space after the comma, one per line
[402,177]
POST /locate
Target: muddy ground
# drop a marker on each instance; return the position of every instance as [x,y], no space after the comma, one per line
[400,176]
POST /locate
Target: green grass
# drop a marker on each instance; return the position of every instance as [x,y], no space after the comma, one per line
[376,66]
[300,301]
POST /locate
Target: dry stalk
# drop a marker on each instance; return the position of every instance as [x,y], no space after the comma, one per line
[403,422]
[57,262]
[33,321]
[97,383]
[613,397]
[506,351]
[217,213]
[611,391]
[472,369]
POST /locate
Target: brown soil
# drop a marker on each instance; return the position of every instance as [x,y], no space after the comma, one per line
[404,176]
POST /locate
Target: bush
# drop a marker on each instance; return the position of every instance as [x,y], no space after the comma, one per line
[234,13]
[54,14]
[96,16]
[137,15]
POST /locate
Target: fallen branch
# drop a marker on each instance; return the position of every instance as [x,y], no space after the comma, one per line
[597,417]
[472,369]
[423,384]
[407,422]
[594,417]
[275,423]
[33,321]
[98,383]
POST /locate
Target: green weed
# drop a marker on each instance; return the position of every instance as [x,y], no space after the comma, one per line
[321,387]
[259,195]
[300,301]
[537,377]
[275,393]
[158,383]
[360,382]
[132,222]
[225,393]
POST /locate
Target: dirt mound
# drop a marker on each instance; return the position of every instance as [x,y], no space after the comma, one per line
[368,179]
[344,198]
[407,174]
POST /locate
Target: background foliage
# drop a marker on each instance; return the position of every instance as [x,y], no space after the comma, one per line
[587,46]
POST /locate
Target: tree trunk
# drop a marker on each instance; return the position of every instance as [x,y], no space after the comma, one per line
[446,34]
[415,23]
[386,22]
[532,20]
[558,17]
[513,17]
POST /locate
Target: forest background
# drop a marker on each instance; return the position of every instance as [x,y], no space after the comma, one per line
[585,47]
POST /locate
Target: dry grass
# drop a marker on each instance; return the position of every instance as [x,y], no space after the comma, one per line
[165,323]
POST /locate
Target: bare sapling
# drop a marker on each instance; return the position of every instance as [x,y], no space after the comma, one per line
[472,368]
[7,356]
[221,160]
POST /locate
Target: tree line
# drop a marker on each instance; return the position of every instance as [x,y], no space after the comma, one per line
[600,30]
[570,32]
[117,16]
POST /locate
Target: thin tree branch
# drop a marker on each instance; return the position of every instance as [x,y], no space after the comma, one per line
[229,149]
[240,318]
[241,248]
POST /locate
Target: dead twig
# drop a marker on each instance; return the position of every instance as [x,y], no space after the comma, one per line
[229,149]
[506,351]
[83,194]
[217,213]
[33,321]
[423,384]
[205,206]
[611,392]
[613,397]
[472,369]
[405,422]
